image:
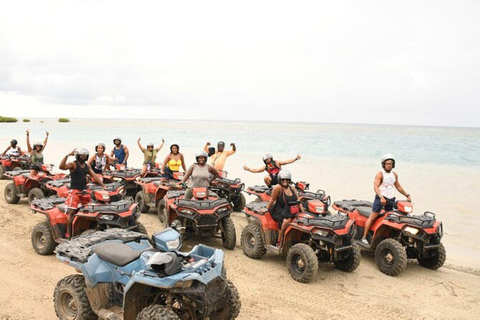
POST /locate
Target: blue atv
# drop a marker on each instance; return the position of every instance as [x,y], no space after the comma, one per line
[125,275]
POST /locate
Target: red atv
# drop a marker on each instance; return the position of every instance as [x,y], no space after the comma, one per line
[127,177]
[203,216]
[60,188]
[89,218]
[310,238]
[231,190]
[398,235]
[26,186]
[313,202]
[152,190]
[12,163]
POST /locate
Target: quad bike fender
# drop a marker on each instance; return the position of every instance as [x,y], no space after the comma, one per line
[160,193]
[18,180]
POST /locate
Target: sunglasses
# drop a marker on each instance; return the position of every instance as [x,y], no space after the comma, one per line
[288,180]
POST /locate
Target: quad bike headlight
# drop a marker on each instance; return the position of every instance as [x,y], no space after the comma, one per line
[186,211]
[173,244]
[201,194]
[107,217]
[105,197]
[319,209]
[322,233]
[411,230]
[183,284]
[221,210]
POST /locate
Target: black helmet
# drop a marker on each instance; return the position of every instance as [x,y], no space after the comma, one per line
[211,151]
[220,143]
[14,142]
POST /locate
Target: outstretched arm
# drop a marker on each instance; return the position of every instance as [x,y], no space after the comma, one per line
[234,149]
[205,147]
[140,145]
[94,176]
[45,141]
[253,170]
[161,145]
[70,165]
[7,150]
[298,157]
[400,188]
[28,142]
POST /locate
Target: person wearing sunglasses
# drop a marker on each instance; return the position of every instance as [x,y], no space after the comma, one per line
[284,205]
[149,155]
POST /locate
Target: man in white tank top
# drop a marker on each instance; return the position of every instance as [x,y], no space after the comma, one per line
[383,185]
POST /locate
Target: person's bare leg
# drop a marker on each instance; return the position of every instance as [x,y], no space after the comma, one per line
[368,224]
[285,223]
[144,171]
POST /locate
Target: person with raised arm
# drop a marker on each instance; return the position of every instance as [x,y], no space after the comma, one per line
[149,155]
[272,167]
[36,154]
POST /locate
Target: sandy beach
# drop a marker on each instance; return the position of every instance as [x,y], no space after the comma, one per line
[267,291]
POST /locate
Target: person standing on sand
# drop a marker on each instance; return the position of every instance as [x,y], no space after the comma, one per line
[383,185]
[219,158]
[119,152]
[272,167]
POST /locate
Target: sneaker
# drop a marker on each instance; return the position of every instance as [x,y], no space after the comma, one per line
[364,242]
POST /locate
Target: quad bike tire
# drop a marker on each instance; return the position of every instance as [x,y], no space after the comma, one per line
[252,241]
[140,199]
[302,263]
[42,238]
[161,211]
[232,305]
[157,312]
[229,236]
[70,299]
[35,193]
[436,261]
[352,262]
[391,257]
[11,193]
[2,171]
[239,203]
[141,228]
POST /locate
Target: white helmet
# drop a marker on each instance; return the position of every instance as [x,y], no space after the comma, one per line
[267,156]
[81,152]
[150,144]
[284,175]
[386,157]
[38,143]
[100,143]
[201,154]
[117,138]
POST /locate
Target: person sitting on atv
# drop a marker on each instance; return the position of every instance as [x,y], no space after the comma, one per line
[283,204]
[100,161]
[383,185]
[150,155]
[13,149]
[119,152]
[173,161]
[272,167]
[219,158]
[36,154]
[201,172]
[78,182]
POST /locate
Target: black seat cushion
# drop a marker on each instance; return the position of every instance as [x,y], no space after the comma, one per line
[364,211]
[117,253]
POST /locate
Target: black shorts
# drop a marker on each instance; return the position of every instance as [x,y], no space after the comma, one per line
[36,166]
[274,180]
[377,204]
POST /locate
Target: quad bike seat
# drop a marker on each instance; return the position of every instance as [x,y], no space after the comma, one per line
[350,205]
[365,211]
[117,253]
[47,203]
[228,181]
